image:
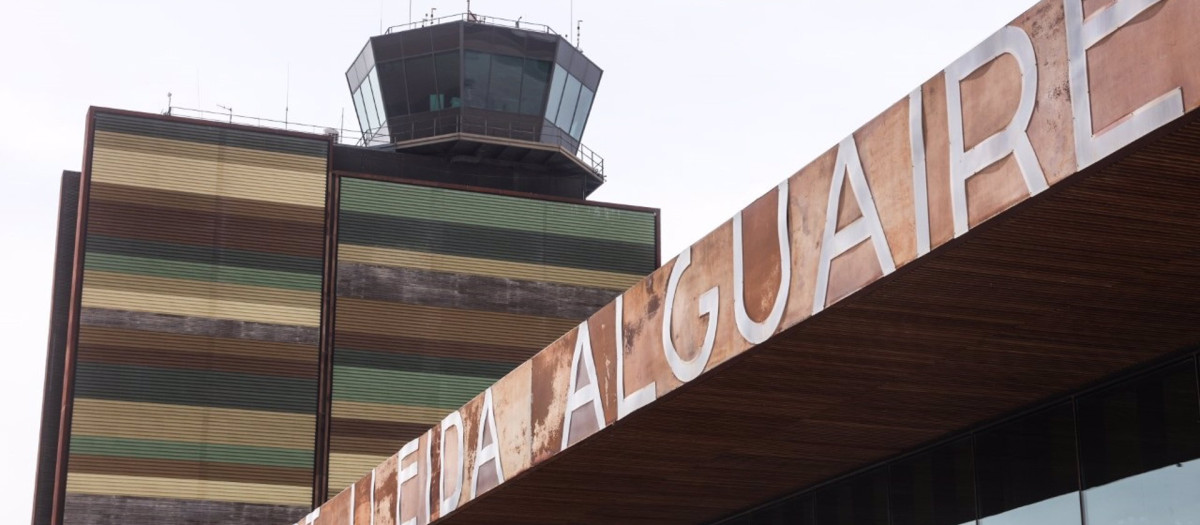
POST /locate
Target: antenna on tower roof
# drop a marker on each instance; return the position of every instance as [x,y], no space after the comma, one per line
[578,26]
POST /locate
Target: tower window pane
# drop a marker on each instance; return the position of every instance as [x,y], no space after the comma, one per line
[566,109]
[477,72]
[504,89]
[556,90]
[533,85]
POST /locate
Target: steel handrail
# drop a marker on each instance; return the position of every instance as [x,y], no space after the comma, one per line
[454,124]
[474,18]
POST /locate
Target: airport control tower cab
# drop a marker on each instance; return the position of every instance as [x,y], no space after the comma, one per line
[478,89]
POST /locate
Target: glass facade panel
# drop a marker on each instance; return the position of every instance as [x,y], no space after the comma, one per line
[361,111]
[447,81]
[566,109]
[581,112]
[374,102]
[476,73]
[935,488]
[533,85]
[1140,445]
[556,89]
[419,78]
[861,500]
[1024,466]
[504,88]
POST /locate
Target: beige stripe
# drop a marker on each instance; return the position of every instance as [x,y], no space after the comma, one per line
[192,489]
[381,412]
[447,324]
[168,342]
[226,426]
[178,297]
[204,289]
[346,469]
[486,267]
[207,169]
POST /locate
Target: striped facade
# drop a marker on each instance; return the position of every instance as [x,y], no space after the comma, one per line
[441,291]
[195,374]
[215,364]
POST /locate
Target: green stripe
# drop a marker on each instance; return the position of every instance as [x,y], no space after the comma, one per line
[196,387]
[202,272]
[183,451]
[497,211]
[463,240]
[367,359]
[406,388]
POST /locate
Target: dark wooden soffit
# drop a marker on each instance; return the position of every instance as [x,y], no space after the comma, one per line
[1093,276]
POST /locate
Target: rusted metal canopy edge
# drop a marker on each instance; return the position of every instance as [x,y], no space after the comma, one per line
[1059,90]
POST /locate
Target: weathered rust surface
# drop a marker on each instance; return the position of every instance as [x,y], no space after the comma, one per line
[1060,271]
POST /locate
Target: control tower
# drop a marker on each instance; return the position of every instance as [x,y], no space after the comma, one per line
[486,94]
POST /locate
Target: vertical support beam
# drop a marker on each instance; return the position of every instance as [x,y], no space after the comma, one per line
[72,339]
[324,400]
[60,305]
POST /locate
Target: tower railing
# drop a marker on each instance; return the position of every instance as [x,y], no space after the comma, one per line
[424,129]
[474,18]
[431,129]
[343,136]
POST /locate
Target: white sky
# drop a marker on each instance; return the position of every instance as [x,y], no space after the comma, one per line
[704,105]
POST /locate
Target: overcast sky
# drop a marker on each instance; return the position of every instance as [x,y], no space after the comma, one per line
[704,105]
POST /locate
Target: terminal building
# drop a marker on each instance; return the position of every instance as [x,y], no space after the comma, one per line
[979,307]
[246,318]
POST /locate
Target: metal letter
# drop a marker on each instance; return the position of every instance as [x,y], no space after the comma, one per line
[1081,36]
[753,331]
[450,501]
[406,473]
[916,141]
[587,394]
[1013,139]
[643,396]
[868,226]
[709,303]
[491,452]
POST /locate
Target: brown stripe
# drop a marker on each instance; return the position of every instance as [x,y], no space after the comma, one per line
[428,347]
[226,206]
[207,361]
[469,292]
[200,326]
[164,224]
[146,341]
[127,510]
[470,326]
[361,428]
[170,468]
[366,445]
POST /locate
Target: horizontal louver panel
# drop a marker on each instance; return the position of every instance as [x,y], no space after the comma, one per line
[196,375]
[441,292]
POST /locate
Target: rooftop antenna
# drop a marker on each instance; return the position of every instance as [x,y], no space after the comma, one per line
[230,110]
[578,26]
[432,14]
[168,102]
